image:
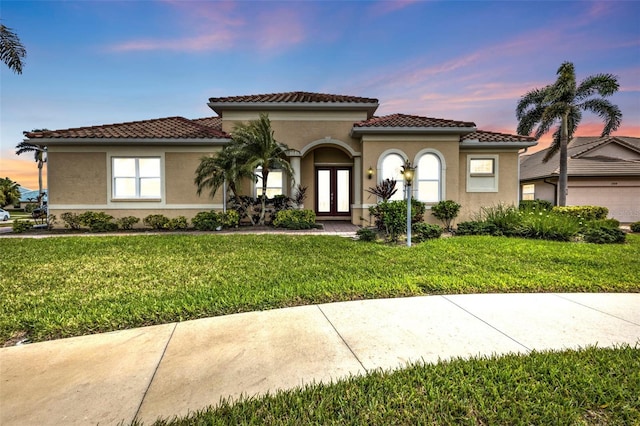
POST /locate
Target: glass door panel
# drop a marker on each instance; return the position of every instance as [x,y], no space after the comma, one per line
[324,191]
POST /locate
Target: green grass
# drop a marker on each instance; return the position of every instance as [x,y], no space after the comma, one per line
[68,286]
[586,387]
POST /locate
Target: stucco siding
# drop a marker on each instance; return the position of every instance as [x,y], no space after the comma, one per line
[508,186]
[77,177]
[180,170]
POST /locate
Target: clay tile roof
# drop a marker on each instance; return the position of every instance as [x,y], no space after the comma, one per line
[160,128]
[213,122]
[484,136]
[404,120]
[294,97]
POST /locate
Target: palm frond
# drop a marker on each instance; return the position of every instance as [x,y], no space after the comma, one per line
[12,52]
[608,112]
[602,84]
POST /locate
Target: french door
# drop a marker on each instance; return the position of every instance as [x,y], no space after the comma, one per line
[333,191]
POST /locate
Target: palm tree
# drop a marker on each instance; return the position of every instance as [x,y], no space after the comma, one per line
[259,149]
[564,101]
[11,50]
[226,167]
[40,157]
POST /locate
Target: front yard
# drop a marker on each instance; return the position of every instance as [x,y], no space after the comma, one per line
[69,286]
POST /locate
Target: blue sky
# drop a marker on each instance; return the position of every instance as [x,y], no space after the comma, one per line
[98,62]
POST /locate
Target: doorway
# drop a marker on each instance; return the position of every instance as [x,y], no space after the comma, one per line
[333,191]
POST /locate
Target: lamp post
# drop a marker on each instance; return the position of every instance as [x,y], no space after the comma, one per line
[408,173]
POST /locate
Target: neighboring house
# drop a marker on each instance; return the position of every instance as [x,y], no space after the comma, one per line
[601,172]
[341,150]
[28,196]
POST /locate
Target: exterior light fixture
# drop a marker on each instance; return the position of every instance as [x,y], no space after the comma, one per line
[370,173]
[408,172]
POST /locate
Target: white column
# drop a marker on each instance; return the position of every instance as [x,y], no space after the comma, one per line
[357,181]
[295,165]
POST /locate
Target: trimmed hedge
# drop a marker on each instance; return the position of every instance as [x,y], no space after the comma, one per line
[425,231]
[587,213]
[635,227]
[295,219]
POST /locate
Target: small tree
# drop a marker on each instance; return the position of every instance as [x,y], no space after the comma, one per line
[9,192]
[446,211]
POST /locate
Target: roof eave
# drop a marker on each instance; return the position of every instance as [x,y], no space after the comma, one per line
[128,141]
[475,144]
[360,131]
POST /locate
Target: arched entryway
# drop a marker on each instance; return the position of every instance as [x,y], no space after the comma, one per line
[331,190]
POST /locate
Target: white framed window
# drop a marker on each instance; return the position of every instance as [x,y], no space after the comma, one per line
[275,184]
[529,191]
[482,173]
[136,177]
[392,165]
[429,178]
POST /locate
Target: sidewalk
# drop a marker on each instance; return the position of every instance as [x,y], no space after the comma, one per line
[172,369]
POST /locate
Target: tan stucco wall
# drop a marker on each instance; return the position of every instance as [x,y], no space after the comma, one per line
[180,170]
[508,185]
[77,177]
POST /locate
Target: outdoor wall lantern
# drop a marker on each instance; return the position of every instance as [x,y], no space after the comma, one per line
[408,172]
[370,173]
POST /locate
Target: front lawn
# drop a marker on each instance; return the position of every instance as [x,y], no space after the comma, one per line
[586,387]
[68,286]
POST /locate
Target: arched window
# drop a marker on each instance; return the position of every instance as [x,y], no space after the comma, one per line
[392,169]
[429,182]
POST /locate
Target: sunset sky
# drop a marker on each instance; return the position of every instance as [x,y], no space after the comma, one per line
[99,62]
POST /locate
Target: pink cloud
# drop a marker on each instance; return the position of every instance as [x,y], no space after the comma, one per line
[383,7]
[220,26]
[21,170]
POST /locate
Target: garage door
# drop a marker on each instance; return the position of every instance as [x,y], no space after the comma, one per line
[623,202]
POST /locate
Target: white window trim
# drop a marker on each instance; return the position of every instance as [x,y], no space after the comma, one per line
[137,197]
[443,173]
[485,176]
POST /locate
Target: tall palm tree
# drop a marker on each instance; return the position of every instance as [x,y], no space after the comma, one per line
[40,157]
[564,102]
[12,51]
[256,142]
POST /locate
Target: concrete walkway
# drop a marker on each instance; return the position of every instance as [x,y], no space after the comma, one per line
[172,369]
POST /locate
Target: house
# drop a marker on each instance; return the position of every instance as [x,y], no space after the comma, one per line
[341,150]
[601,171]
[30,196]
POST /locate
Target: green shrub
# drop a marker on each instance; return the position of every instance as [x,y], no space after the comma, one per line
[97,221]
[367,234]
[30,207]
[425,231]
[475,227]
[127,222]
[446,211]
[545,225]
[20,226]
[295,219]
[535,205]
[605,236]
[229,219]
[156,221]
[391,217]
[176,223]
[584,213]
[635,227]
[71,220]
[206,221]
[505,217]
[603,223]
